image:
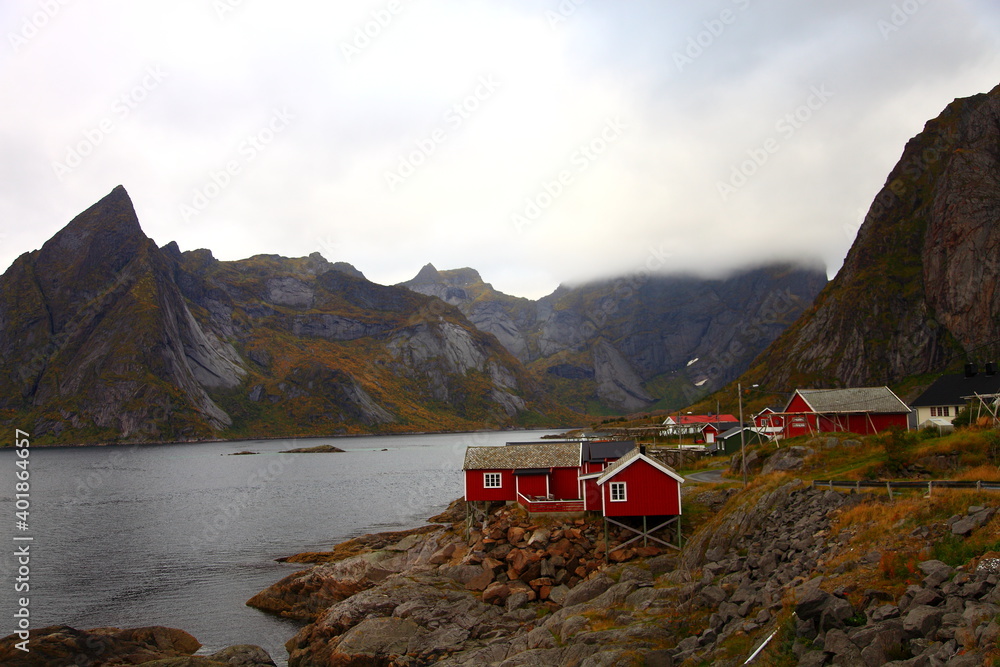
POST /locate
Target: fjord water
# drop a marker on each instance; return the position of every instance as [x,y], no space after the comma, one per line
[183,535]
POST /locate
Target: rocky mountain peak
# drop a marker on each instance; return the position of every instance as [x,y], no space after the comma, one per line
[85,256]
[428,275]
[464,277]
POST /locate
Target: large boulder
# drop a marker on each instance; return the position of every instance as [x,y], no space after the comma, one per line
[825,610]
[786,458]
[304,595]
[63,645]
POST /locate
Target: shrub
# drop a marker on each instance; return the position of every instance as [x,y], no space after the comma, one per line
[895,442]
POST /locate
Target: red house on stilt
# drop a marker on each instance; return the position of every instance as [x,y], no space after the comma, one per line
[616,479]
[636,485]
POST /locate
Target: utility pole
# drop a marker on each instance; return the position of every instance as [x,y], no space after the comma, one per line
[743,444]
[743,455]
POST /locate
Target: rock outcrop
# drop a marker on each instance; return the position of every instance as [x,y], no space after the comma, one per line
[154,646]
[510,595]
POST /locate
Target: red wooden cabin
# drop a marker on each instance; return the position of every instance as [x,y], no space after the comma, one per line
[540,476]
[863,410]
[636,485]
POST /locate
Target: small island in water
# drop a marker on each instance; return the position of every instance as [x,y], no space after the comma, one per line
[318,449]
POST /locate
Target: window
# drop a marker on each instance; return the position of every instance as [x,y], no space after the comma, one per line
[941,412]
[947,411]
[617,491]
[491,480]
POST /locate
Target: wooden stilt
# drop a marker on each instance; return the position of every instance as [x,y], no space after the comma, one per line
[645,534]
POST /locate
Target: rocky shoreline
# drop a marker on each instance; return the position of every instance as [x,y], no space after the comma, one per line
[510,596]
[518,592]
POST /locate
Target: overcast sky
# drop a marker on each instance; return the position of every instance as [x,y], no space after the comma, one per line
[538,142]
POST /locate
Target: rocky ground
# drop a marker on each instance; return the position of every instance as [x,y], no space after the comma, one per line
[768,562]
[518,594]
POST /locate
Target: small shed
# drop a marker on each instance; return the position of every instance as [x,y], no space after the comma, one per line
[731,443]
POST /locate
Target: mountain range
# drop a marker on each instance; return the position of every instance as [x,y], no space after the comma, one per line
[636,342]
[107,337]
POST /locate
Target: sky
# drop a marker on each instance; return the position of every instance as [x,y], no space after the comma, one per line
[545,142]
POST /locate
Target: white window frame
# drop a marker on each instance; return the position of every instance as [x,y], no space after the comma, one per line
[489,477]
[618,489]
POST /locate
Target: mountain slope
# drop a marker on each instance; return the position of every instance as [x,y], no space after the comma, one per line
[917,291]
[105,337]
[639,342]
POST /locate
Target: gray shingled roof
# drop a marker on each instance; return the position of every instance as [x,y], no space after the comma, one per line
[517,457]
[610,471]
[874,400]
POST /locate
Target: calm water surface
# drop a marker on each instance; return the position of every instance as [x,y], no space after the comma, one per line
[184,535]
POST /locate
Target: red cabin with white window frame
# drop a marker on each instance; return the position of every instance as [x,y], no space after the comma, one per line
[636,485]
[597,456]
[614,478]
[539,476]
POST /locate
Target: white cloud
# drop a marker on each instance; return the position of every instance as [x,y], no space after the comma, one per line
[530,94]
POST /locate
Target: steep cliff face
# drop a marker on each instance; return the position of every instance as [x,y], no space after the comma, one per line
[918,288]
[96,340]
[105,337]
[635,343]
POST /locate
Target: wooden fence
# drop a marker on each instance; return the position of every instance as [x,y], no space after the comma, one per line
[930,485]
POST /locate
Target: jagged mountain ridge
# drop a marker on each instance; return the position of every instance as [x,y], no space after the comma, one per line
[635,342]
[105,337]
[917,291]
